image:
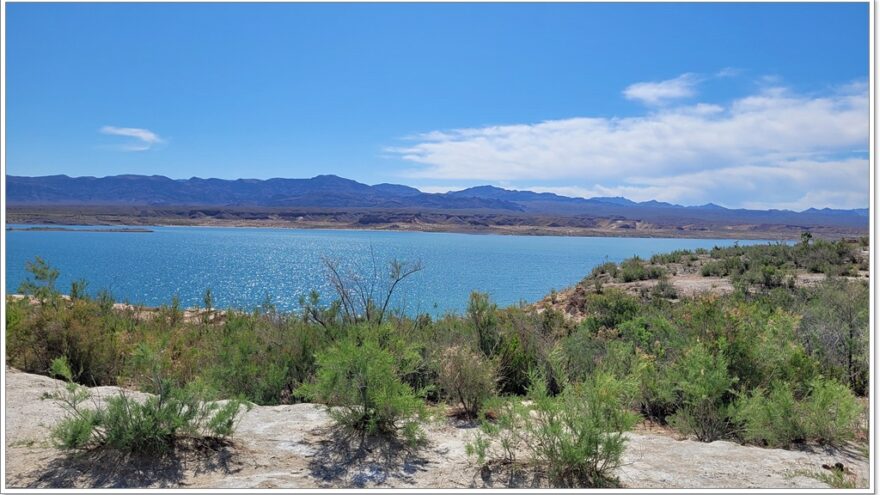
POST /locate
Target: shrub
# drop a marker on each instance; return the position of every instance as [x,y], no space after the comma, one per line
[834,329]
[466,377]
[769,418]
[764,349]
[655,397]
[634,269]
[516,357]
[608,267]
[576,438]
[830,413]
[609,309]
[154,426]
[263,360]
[712,269]
[482,315]
[702,382]
[359,380]
[41,283]
[664,289]
[673,257]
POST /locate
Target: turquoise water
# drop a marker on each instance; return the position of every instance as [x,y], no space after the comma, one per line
[243,265]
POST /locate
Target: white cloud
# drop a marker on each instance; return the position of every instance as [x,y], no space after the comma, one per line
[144,138]
[728,72]
[771,147]
[659,92]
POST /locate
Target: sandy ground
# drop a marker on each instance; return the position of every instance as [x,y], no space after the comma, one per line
[294,446]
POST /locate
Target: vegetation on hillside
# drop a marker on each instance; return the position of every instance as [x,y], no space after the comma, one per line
[770,364]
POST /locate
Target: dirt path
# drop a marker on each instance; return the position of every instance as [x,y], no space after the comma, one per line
[294,446]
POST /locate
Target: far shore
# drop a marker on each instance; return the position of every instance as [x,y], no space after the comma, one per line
[473,221]
[786,233]
[137,230]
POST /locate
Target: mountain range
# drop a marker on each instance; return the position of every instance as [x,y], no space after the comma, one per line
[330,191]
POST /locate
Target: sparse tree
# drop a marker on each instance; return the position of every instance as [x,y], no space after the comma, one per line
[367,298]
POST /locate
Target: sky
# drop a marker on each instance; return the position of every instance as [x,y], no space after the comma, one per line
[742,105]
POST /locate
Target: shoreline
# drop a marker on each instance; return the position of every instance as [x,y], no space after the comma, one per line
[136,230]
[524,230]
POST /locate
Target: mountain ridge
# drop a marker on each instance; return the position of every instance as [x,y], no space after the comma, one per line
[332,191]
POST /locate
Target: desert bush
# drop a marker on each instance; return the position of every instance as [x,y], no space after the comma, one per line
[359,379]
[651,333]
[634,269]
[673,257]
[712,269]
[830,413]
[764,349]
[153,426]
[41,282]
[261,359]
[655,395]
[482,314]
[609,267]
[769,418]
[609,309]
[76,330]
[834,329]
[664,289]
[576,438]
[702,383]
[467,378]
[516,357]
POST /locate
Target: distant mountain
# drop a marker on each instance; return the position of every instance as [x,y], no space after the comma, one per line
[666,213]
[320,191]
[330,191]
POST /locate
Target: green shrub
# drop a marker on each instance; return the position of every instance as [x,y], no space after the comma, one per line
[482,314]
[835,330]
[608,267]
[770,418]
[466,378]
[262,360]
[359,380]
[673,257]
[41,282]
[634,269]
[764,349]
[576,438]
[655,397]
[712,269]
[664,289]
[153,426]
[830,413]
[516,357]
[702,382]
[609,309]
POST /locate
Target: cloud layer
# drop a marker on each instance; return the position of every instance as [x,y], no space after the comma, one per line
[144,139]
[775,148]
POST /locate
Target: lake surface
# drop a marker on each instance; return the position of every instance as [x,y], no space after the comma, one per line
[243,266]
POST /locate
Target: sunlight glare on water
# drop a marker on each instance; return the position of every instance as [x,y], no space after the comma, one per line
[243,266]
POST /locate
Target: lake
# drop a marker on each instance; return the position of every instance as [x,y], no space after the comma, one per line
[244,266]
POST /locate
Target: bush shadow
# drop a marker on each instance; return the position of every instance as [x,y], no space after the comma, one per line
[103,468]
[350,460]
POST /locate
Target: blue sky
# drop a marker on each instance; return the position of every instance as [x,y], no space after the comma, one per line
[744,105]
